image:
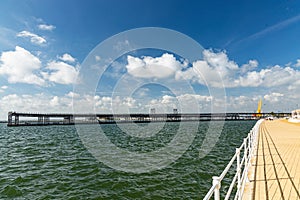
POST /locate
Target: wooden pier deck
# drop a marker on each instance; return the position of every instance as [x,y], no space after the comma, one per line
[275,167]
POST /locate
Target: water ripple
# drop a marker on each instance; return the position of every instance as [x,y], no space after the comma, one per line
[51,163]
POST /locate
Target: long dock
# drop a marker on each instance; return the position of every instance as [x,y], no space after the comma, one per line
[40,119]
[275,167]
[266,165]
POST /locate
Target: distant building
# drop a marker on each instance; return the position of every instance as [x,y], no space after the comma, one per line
[152,111]
[175,111]
[295,116]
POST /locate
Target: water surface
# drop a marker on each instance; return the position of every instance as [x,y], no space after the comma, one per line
[51,162]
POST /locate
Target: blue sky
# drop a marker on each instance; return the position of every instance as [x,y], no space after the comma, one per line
[254,46]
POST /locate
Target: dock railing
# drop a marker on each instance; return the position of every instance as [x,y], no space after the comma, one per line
[241,162]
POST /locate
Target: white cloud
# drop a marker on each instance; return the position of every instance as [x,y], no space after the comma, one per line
[122,45]
[187,103]
[200,98]
[72,95]
[298,63]
[20,66]
[251,65]
[41,102]
[142,92]
[219,61]
[91,103]
[149,67]
[273,97]
[3,88]
[215,70]
[46,27]
[104,104]
[274,76]
[54,101]
[218,71]
[34,38]
[97,58]
[67,58]
[61,73]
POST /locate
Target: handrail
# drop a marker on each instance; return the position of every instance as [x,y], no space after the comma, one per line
[242,167]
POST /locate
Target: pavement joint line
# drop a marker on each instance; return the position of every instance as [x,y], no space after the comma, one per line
[264,162]
[271,179]
[272,159]
[269,164]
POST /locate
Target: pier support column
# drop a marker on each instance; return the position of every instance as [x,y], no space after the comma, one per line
[72,119]
[40,120]
[67,120]
[46,120]
[16,119]
[9,119]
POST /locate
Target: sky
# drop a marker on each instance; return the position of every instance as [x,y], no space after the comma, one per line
[49,49]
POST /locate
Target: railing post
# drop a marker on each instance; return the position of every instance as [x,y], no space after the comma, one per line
[238,170]
[245,152]
[250,144]
[216,181]
[253,144]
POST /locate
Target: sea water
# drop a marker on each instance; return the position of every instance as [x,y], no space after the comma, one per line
[51,162]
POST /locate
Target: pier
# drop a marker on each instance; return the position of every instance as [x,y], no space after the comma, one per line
[275,168]
[266,165]
[39,119]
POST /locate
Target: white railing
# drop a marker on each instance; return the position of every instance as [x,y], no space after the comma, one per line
[242,167]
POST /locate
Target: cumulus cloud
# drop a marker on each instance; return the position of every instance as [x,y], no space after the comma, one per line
[149,67]
[46,27]
[122,45]
[63,104]
[97,58]
[54,101]
[188,103]
[251,65]
[104,104]
[273,97]
[4,87]
[60,72]
[20,66]
[218,71]
[271,77]
[72,95]
[298,63]
[34,38]
[34,103]
[215,70]
[67,58]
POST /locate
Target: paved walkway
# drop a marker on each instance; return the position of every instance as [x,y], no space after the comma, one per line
[275,169]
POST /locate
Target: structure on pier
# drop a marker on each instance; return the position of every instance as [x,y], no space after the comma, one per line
[295,118]
[14,119]
[38,119]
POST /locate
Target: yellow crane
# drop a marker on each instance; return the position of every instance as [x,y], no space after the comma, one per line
[258,111]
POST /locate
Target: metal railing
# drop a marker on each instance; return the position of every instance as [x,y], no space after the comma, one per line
[242,167]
